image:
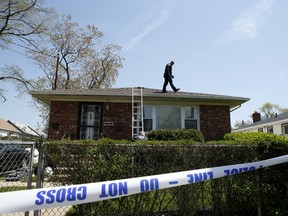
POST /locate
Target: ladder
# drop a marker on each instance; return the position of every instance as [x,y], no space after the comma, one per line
[137,111]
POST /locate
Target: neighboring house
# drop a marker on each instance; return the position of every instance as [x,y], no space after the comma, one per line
[95,113]
[7,129]
[25,130]
[278,124]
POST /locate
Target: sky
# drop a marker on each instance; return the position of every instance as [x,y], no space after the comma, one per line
[235,48]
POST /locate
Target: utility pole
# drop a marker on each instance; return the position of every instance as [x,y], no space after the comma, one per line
[56,73]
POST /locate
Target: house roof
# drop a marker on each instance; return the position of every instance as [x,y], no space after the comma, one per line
[5,126]
[24,129]
[268,121]
[150,96]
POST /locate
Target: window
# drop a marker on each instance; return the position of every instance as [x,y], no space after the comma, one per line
[260,129]
[147,118]
[270,129]
[90,121]
[285,128]
[190,121]
[169,117]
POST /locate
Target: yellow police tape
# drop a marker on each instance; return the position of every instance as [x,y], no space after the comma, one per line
[92,192]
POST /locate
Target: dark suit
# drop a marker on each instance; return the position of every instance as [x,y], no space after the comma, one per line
[168,78]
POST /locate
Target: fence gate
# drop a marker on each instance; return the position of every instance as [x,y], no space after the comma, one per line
[17,161]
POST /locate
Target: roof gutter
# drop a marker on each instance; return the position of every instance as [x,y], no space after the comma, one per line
[15,126]
[235,108]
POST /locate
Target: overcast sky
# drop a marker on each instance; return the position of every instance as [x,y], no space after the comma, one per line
[235,48]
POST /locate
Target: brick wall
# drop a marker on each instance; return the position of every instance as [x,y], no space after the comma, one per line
[116,120]
[214,121]
[63,120]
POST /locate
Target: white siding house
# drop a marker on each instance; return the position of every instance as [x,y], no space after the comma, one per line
[278,124]
[7,129]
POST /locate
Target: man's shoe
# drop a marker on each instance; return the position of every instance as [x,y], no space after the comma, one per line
[177,89]
[164,91]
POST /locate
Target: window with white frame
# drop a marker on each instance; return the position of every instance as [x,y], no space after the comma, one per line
[147,118]
[270,129]
[285,128]
[170,117]
[190,120]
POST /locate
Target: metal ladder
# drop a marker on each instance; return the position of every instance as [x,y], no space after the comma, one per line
[137,111]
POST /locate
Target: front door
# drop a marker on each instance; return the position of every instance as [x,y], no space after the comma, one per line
[90,121]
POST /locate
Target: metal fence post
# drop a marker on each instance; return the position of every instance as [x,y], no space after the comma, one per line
[30,172]
[259,212]
[29,183]
[40,167]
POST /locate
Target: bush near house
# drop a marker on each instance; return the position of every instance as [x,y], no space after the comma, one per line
[262,192]
[178,134]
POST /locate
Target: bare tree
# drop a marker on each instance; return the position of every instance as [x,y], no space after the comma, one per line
[21,21]
[73,58]
[68,56]
[268,110]
[241,124]
[102,71]
[15,75]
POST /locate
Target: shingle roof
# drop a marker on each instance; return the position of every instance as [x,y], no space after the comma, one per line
[276,118]
[126,93]
[5,126]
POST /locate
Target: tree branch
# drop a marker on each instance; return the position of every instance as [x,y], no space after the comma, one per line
[24,82]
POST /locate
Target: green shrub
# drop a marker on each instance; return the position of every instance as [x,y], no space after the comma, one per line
[254,138]
[177,134]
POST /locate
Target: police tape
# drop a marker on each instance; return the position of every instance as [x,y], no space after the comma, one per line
[37,199]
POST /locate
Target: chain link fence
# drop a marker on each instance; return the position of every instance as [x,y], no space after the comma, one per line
[17,161]
[19,164]
[255,193]
[252,193]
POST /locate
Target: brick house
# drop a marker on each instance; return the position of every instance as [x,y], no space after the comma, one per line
[91,114]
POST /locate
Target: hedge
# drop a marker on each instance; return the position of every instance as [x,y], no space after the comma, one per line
[178,134]
[264,191]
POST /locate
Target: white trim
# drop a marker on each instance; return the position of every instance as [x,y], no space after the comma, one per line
[276,125]
[182,113]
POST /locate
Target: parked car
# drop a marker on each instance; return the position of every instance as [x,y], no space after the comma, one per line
[18,174]
[12,157]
